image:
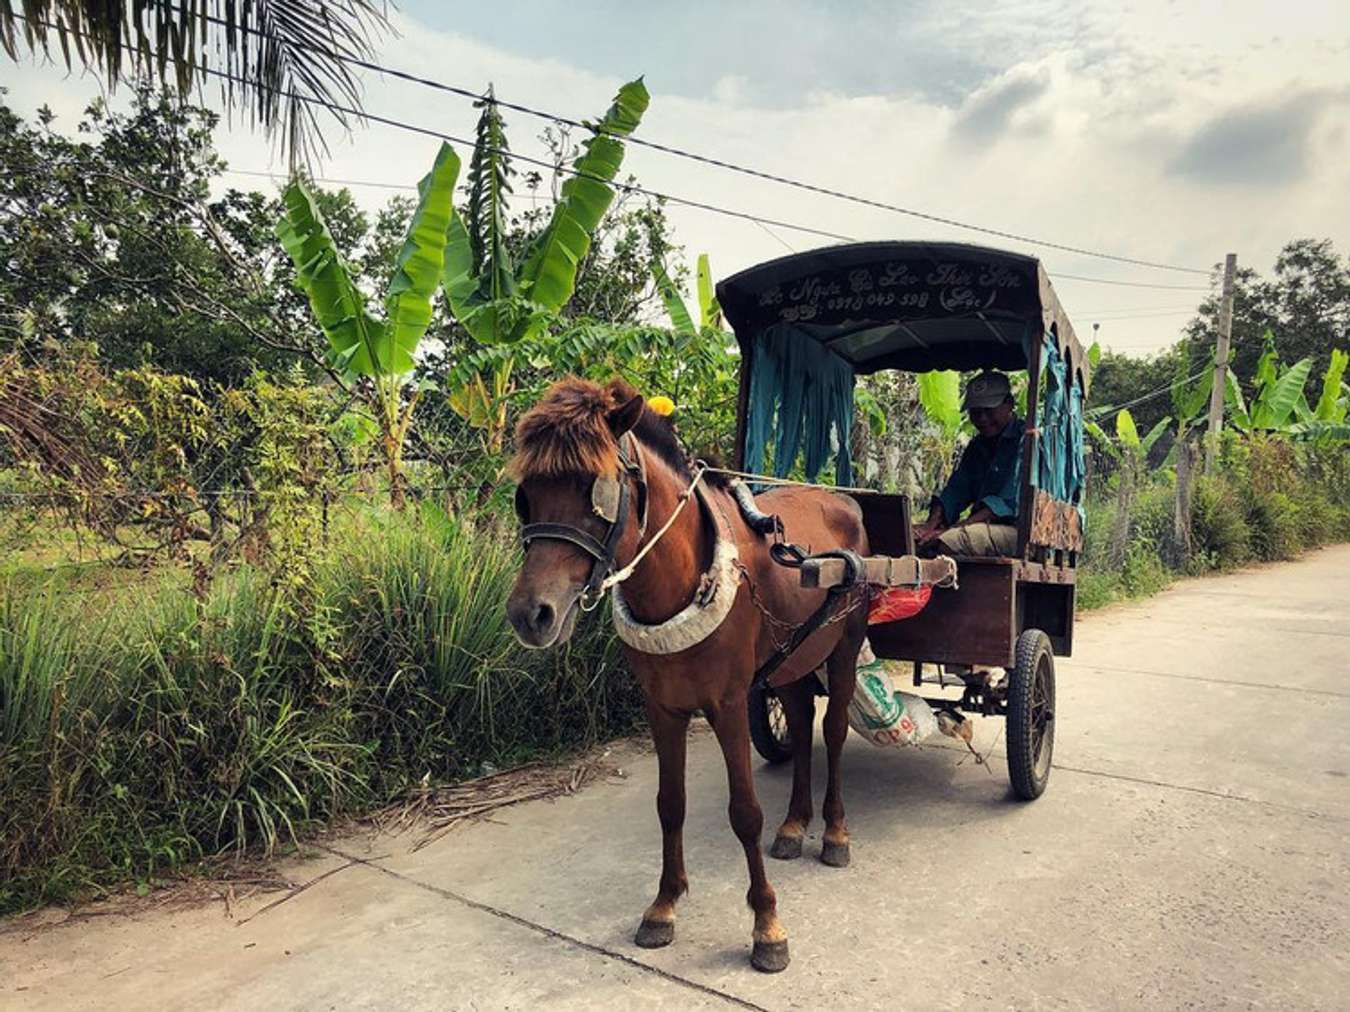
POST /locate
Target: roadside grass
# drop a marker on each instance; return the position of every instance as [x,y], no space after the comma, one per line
[145,731]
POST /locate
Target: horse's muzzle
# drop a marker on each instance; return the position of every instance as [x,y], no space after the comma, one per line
[540,622]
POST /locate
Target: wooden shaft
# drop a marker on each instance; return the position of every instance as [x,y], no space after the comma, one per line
[1217,392]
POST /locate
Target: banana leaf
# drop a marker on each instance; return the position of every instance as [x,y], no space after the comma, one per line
[710,313]
[418,268]
[1126,431]
[680,319]
[1154,434]
[1276,402]
[1103,440]
[1321,432]
[1237,407]
[940,396]
[354,336]
[1331,406]
[477,315]
[550,269]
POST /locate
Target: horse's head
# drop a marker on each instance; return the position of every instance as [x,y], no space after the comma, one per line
[581,499]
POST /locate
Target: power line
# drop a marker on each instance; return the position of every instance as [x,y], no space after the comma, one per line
[685,201]
[551,166]
[758,221]
[1105,408]
[1134,309]
[1133,284]
[1135,316]
[692,156]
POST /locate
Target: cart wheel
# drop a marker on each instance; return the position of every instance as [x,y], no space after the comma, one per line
[1031,715]
[768,725]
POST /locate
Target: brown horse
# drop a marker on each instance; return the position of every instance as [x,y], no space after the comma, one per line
[575,449]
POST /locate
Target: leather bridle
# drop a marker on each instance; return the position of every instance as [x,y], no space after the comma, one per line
[610,500]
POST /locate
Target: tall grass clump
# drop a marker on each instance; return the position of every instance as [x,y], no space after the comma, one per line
[150,729]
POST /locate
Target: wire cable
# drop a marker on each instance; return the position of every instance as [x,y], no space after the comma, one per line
[1106,408]
[694,156]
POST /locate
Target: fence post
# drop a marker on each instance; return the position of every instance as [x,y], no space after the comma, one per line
[1181,517]
[1219,389]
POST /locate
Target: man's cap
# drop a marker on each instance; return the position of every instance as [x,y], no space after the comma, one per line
[987,390]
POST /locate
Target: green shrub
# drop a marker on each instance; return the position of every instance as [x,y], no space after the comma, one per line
[1096,588]
[1219,533]
[1270,520]
[146,729]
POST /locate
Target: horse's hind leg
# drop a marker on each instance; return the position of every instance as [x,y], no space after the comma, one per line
[799,705]
[732,726]
[843,670]
[669,732]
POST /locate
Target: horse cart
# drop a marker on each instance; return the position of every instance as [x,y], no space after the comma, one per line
[807,326]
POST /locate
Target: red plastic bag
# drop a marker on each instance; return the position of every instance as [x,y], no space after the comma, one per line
[891,604]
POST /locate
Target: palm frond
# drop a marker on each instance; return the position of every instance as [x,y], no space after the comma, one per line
[283,63]
[490,175]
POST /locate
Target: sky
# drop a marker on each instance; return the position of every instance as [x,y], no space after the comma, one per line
[1166,132]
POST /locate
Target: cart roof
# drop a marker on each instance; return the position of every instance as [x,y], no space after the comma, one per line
[906,305]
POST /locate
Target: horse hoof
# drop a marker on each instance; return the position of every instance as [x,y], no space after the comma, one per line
[770,957]
[654,934]
[785,848]
[834,854]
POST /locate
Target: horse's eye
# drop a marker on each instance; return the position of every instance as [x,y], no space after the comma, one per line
[522,506]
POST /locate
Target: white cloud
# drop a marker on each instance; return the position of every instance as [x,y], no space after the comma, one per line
[1103,101]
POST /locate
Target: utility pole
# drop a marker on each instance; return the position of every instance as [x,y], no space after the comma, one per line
[1220,388]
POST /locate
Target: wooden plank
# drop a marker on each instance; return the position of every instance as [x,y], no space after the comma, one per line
[887,519]
[1055,524]
[975,624]
[1029,454]
[882,571]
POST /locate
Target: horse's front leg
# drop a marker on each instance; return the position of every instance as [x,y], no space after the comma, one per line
[799,706]
[731,723]
[843,671]
[669,731]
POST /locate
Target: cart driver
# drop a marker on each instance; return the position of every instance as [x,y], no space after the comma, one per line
[985,481]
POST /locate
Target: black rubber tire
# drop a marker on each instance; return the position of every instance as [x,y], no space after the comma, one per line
[1031,715]
[768,726]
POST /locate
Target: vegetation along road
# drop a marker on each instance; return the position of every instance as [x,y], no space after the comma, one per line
[1191,851]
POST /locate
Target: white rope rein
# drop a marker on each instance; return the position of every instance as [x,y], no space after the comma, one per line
[616,578]
[764,479]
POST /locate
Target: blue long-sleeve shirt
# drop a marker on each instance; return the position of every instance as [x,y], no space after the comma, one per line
[987,475]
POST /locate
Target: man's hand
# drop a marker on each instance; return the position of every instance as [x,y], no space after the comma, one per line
[927,531]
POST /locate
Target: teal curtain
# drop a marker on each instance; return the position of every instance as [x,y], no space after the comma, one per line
[801,394]
[1062,464]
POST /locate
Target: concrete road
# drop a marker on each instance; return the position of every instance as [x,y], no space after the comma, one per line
[1191,852]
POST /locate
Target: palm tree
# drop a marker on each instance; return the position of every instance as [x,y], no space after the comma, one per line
[285,63]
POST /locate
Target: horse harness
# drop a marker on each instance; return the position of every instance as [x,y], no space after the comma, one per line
[610,501]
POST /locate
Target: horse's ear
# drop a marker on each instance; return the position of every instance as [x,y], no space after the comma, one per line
[624,417]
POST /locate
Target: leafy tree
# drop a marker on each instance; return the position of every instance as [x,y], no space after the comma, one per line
[279,61]
[380,353]
[112,237]
[503,303]
[1307,303]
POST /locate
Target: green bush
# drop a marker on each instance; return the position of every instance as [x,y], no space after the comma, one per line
[1274,532]
[1219,533]
[148,729]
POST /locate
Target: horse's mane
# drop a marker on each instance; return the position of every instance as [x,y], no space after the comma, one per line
[567,433]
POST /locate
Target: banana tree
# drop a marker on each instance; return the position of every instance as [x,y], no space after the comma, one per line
[1130,452]
[710,313]
[1128,448]
[502,303]
[1328,424]
[1279,404]
[378,353]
